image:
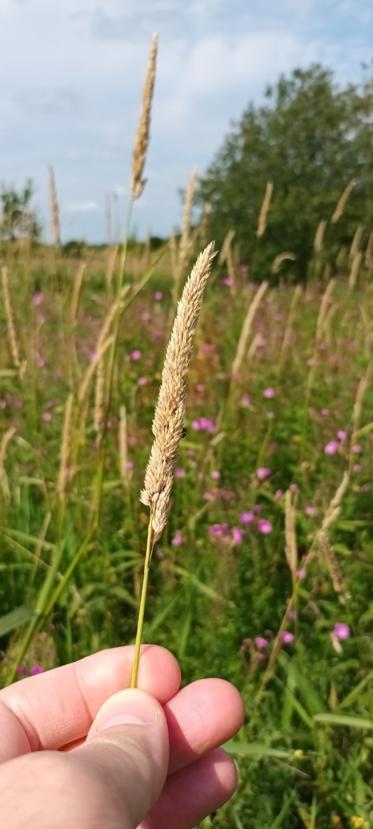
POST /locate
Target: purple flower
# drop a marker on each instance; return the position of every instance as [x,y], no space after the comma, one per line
[36,669]
[142,381]
[179,472]
[200,387]
[130,466]
[261,643]
[269,393]
[158,296]
[247,517]
[177,539]
[237,535]
[356,448]
[286,637]
[203,424]
[215,474]
[301,573]
[341,434]
[262,473]
[325,412]
[294,488]
[310,510]
[46,417]
[208,496]
[278,494]
[218,530]
[135,355]
[228,280]
[331,448]
[341,631]
[357,467]
[38,298]
[245,401]
[264,526]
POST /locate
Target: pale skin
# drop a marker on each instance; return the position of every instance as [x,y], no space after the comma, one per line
[78,749]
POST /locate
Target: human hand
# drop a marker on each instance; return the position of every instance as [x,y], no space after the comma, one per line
[77,750]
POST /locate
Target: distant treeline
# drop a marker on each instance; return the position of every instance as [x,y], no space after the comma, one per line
[309,147]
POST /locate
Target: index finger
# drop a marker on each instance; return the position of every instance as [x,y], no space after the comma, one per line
[51,710]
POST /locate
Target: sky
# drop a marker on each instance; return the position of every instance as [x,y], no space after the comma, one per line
[71,79]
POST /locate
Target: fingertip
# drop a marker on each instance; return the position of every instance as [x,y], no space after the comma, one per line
[159,672]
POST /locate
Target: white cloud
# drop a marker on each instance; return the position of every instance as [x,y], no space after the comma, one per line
[73,72]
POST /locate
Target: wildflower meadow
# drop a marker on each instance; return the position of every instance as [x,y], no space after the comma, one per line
[261,557]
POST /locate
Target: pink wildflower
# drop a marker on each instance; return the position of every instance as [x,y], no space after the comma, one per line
[177,539]
[262,473]
[269,393]
[237,535]
[341,631]
[46,417]
[261,643]
[264,526]
[331,448]
[215,474]
[179,472]
[286,637]
[38,298]
[247,517]
[310,510]
[142,381]
[135,355]
[245,401]
[158,296]
[36,669]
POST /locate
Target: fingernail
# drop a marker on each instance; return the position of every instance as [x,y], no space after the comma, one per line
[129,707]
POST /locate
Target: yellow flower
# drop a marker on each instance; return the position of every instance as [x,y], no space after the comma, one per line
[358,822]
[299,753]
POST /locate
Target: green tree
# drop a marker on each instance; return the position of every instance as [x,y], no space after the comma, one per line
[310,138]
[17,216]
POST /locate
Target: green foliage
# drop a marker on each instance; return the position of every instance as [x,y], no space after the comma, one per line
[17,216]
[310,139]
[70,575]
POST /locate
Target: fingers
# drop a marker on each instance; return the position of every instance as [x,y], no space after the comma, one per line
[53,709]
[195,792]
[113,780]
[200,717]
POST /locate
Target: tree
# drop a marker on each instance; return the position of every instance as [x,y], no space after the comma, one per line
[310,138]
[17,216]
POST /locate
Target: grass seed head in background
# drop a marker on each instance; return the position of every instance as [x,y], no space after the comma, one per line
[169,417]
[143,130]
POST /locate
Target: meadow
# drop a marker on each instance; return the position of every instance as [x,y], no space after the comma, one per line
[263,575]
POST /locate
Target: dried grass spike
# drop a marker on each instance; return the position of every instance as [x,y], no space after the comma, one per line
[342,201]
[140,147]
[54,208]
[168,423]
[262,221]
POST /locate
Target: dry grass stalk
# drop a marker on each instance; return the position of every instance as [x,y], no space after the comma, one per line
[91,370]
[285,345]
[355,267]
[185,240]
[323,310]
[54,210]
[335,504]
[319,236]
[77,288]
[65,449]
[335,572]
[123,446]
[287,255]
[368,258]
[355,244]
[253,347]
[169,417]
[109,218]
[342,201]
[140,147]
[291,547]
[109,273]
[10,324]
[99,406]
[7,437]
[173,256]
[228,239]
[246,329]
[262,220]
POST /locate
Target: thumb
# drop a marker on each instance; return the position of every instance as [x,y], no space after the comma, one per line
[128,743]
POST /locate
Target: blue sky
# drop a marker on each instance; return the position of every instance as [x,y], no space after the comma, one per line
[72,74]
